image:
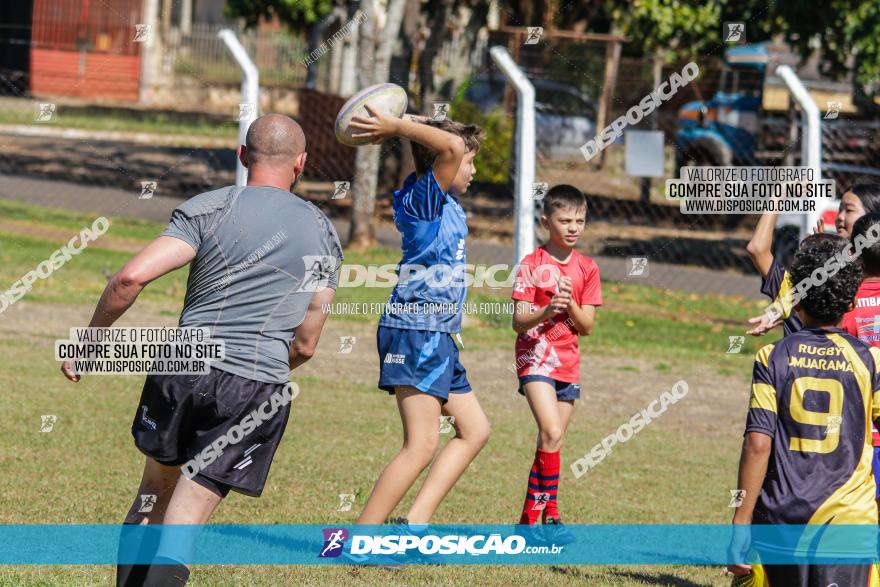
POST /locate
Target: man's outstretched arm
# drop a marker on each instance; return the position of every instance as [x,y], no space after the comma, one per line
[163,255]
[309,332]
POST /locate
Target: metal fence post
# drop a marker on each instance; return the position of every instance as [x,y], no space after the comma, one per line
[524,232]
[250,90]
[811,138]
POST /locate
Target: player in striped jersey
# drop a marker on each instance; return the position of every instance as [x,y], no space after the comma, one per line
[807,453]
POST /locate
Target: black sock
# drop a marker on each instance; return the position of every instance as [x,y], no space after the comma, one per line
[132,575]
[166,572]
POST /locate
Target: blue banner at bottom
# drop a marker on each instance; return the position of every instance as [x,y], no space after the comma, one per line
[633,544]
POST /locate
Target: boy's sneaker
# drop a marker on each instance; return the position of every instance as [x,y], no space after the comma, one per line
[372,560]
[556,532]
[532,533]
[402,527]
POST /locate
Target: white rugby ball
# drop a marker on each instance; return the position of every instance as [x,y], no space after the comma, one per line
[386,98]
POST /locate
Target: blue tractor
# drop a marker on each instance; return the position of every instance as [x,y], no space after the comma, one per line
[732,128]
[724,129]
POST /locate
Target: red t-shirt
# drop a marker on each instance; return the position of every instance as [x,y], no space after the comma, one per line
[551,347]
[864,322]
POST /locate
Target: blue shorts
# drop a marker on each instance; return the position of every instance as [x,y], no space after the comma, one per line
[422,359]
[876,464]
[565,391]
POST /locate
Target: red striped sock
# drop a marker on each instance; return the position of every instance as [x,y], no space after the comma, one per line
[529,513]
[548,481]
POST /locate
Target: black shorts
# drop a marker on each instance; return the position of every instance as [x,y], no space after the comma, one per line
[565,391]
[818,575]
[218,426]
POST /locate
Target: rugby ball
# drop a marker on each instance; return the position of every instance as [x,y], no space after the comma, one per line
[386,98]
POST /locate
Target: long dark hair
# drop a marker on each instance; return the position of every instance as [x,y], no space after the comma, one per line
[868,194]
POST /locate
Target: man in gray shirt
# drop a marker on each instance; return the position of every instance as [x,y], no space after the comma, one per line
[263,263]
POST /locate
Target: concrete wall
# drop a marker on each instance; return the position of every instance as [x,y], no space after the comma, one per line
[192,95]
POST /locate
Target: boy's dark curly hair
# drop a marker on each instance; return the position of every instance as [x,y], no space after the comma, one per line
[821,237]
[830,300]
[871,254]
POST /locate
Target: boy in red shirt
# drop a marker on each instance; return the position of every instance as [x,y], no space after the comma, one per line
[557,291]
[864,320]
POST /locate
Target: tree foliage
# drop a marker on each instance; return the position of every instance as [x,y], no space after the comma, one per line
[838,28]
[297,15]
[496,150]
[678,29]
[667,27]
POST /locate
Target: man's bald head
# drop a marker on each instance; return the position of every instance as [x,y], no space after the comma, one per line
[274,139]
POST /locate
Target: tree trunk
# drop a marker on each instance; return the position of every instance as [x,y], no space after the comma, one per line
[334,80]
[316,37]
[362,34]
[411,47]
[460,64]
[393,20]
[426,59]
[410,36]
[361,235]
[363,187]
[366,174]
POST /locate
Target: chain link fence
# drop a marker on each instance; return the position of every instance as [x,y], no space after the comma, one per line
[200,53]
[582,85]
[752,121]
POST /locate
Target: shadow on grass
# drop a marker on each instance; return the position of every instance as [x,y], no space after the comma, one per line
[662,579]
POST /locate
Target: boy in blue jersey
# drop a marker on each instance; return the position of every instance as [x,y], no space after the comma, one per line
[806,457]
[418,355]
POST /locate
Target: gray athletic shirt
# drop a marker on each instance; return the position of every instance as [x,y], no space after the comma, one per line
[261,252]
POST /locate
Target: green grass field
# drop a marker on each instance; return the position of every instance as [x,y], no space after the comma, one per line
[679,469]
[22,112]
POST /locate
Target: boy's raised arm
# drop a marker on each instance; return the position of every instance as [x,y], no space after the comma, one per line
[526,316]
[759,248]
[582,317]
[449,148]
[309,332]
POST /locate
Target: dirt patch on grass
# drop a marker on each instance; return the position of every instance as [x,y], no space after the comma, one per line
[613,387]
